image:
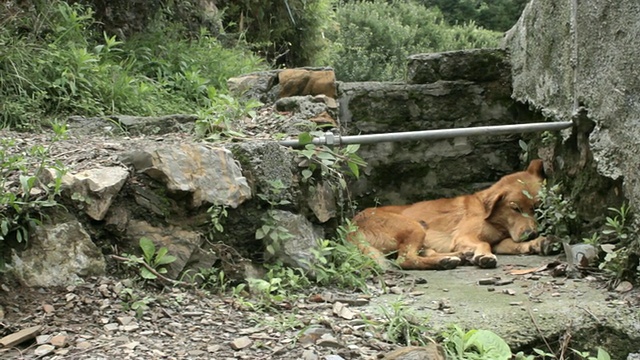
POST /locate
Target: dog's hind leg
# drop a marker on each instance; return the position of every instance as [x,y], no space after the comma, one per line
[410,243]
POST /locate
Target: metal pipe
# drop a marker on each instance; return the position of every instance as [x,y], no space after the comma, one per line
[331,139]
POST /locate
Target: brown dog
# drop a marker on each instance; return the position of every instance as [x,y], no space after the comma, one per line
[439,234]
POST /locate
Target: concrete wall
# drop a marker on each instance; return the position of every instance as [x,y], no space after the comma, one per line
[581,56]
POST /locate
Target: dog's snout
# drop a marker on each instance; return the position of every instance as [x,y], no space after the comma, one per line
[529,234]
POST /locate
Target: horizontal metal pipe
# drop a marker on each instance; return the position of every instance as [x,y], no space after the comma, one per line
[331,139]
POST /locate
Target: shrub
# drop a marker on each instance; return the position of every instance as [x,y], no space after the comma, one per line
[375,38]
[286,33]
[53,64]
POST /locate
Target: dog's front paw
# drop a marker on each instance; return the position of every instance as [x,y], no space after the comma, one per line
[449,262]
[545,245]
[485,261]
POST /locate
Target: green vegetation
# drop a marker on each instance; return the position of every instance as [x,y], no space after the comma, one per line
[498,15]
[375,37]
[54,63]
[287,33]
[402,326]
[152,264]
[29,185]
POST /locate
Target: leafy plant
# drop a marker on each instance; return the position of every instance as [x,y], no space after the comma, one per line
[221,111]
[475,344]
[133,301]
[29,185]
[280,284]
[340,263]
[271,232]
[620,245]
[217,213]
[153,261]
[402,326]
[555,213]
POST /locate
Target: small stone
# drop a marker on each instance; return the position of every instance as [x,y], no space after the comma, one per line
[131,346]
[111,327]
[309,355]
[343,311]
[48,308]
[125,320]
[83,345]
[42,339]
[333,357]
[555,294]
[213,348]
[240,343]
[508,292]
[196,352]
[327,340]
[44,350]
[59,341]
[132,327]
[487,281]
[503,282]
[624,287]
[396,290]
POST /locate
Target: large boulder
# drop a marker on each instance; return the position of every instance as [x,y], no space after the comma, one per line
[577,61]
[58,255]
[207,174]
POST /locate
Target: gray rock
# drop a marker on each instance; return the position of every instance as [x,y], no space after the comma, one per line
[58,255]
[569,60]
[322,201]
[258,86]
[95,189]
[634,356]
[265,163]
[478,65]
[296,251]
[210,175]
[183,244]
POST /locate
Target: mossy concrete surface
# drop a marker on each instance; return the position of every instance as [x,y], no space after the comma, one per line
[528,309]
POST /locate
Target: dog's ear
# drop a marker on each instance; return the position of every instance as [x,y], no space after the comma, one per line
[536,167]
[490,203]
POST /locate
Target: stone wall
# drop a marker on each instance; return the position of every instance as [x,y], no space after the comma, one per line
[447,90]
[577,60]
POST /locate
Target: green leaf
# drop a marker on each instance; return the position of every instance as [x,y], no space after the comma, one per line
[167,259]
[354,169]
[148,249]
[146,274]
[306,174]
[305,138]
[490,345]
[603,355]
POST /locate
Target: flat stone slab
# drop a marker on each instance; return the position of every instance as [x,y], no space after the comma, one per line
[525,308]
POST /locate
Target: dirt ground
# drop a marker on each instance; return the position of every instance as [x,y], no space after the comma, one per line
[94,321]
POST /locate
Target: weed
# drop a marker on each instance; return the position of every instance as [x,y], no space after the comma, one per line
[271,232]
[133,301]
[331,163]
[402,326]
[29,185]
[217,214]
[339,263]
[620,245]
[555,213]
[153,261]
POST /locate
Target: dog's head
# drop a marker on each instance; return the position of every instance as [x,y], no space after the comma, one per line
[510,202]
